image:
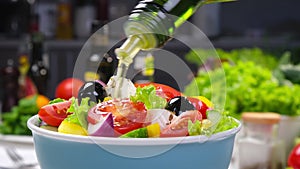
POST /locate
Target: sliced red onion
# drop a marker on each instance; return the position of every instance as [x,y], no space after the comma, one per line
[103,128]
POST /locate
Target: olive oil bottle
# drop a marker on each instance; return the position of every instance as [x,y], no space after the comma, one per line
[150,25]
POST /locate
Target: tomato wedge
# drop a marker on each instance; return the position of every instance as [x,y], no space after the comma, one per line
[199,105]
[95,115]
[179,127]
[162,90]
[54,114]
[127,115]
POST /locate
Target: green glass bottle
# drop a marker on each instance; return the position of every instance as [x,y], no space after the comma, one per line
[151,24]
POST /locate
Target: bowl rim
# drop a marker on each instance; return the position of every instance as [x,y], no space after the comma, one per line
[33,122]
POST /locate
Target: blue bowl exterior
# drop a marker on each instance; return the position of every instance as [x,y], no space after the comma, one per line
[61,154]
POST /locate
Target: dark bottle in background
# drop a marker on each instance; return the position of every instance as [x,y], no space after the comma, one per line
[38,70]
[47,11]
[14,17]
[106,67]
[102,10]
[84,14]
[34,23]
[10,85]
[100,64]
[24,65]
[108,64]
[26,86]
[64,20]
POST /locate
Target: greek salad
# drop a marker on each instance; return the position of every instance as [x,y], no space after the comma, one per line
[142,111]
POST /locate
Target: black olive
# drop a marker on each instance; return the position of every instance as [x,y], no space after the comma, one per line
[92,89]
[179,105]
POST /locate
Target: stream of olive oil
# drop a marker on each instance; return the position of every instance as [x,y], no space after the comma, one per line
[121,74]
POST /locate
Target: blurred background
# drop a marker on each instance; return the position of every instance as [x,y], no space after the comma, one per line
[40,41]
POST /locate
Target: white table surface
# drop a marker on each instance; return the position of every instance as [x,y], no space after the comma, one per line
[24,147]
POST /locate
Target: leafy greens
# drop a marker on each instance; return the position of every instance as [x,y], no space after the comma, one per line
[147,95]
[250,85]
[79,112]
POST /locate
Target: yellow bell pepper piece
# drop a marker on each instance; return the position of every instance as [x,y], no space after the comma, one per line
[205,100]
[107,99]
[71,128]
[153,130]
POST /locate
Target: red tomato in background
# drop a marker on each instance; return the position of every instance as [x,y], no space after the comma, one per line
[179,127]
[127,115]
[68,88]
[199,105]
[294,158]
[54,114]
[162,90]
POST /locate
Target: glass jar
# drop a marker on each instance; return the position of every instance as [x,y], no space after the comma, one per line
[259,146]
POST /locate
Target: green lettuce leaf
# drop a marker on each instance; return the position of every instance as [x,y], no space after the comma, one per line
[79,112]
[194,129]
[218,123]
[226,123]
[148,96]
[57,100]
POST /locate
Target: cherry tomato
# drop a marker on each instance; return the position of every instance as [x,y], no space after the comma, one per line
[199,105]
[162,90]
[68,88]
[294,158]
[127,115]
[54,114]
[179,127]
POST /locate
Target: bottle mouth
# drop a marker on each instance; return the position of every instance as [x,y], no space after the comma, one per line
[146,36]
[129,49]
[156,25]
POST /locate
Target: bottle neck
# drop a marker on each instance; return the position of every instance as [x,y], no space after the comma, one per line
[149,18]
[37,51]
[37,46]
[162,17]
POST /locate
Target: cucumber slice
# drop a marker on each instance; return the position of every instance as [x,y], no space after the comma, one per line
[137,133]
